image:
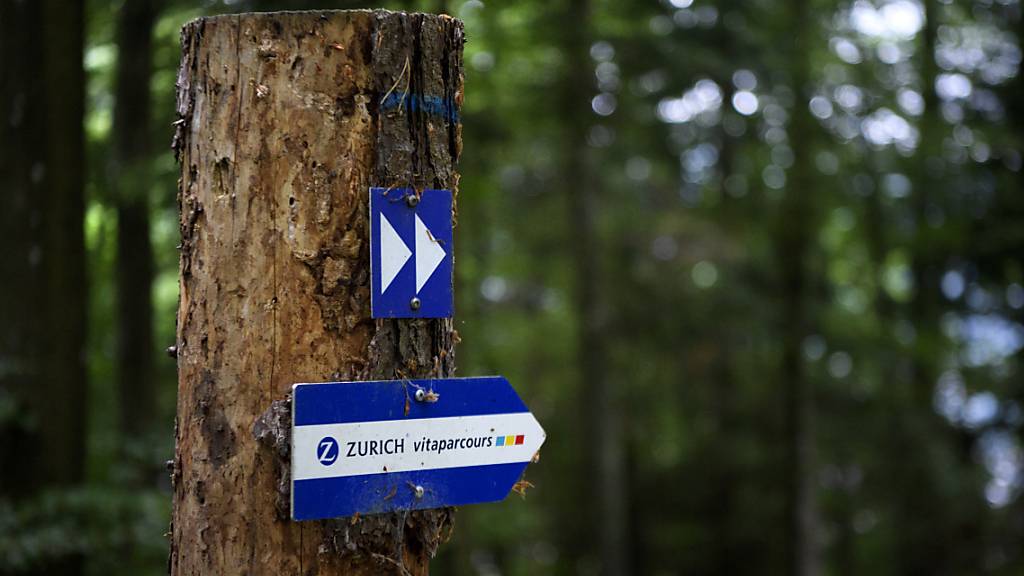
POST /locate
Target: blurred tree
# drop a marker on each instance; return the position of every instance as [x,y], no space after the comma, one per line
[797,225]
[131,180]
[921,547]
[602,438]
[42,332]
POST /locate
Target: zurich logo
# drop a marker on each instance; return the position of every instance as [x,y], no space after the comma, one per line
[327,451]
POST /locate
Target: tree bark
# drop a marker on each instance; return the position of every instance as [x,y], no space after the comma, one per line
[282,132]
[130,178]
[42,335]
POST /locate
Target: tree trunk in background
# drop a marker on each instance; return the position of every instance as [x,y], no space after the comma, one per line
[282,135]
[43,311]
[796,230]
[603,440]
[923,547]
[131,180]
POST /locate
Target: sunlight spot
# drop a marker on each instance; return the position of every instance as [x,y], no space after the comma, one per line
[901,19]
[744,80]
[705,96]
[884,127]
[494,288]
[910,102]
[774,177]
[950,395]
[603,104]
[897,278]
[952,284]
[704,274]
[989,339]
[638,168]
[889,53]
[896,185]
[660,25]
[783,155]
[1015,296]
[744,102]
[482,61]
[814,347]
[470,8]
[707,16]
[827,163]
[821,107]
[700,157]
[844,218]
[664,247]
[840,364]
[980,409]
[849,97]
[846,50]
[1004,460]
[953,86]
[602,51]
[601,136]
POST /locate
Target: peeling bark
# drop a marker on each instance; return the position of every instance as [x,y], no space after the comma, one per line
[285,122]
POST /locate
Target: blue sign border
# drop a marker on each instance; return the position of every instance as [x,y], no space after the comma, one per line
[373,401]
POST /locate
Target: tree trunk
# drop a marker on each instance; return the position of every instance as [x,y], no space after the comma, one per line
[603,440]
[282,132]
[42,333]
[131,181]
[797,227]
[922,545]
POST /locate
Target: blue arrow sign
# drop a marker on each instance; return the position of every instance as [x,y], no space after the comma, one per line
[411,253]
[374,447]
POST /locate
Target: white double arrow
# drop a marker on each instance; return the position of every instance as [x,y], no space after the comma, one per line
[394,253]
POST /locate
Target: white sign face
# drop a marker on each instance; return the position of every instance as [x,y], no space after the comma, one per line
[355,449]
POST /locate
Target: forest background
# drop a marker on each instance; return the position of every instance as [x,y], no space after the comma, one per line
[758,267]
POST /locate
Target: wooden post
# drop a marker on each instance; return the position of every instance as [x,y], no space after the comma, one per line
[286,121]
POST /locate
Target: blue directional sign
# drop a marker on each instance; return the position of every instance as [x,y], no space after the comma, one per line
[374,447]
[411,253]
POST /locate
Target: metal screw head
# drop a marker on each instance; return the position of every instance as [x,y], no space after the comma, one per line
[421,395]
[419,491]
[412,200]
[414,303]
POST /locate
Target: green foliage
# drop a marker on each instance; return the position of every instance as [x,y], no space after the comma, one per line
[121,532]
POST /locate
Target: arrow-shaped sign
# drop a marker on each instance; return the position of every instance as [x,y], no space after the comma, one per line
[406,225]
[429,254]
[393,253]
[374,447]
